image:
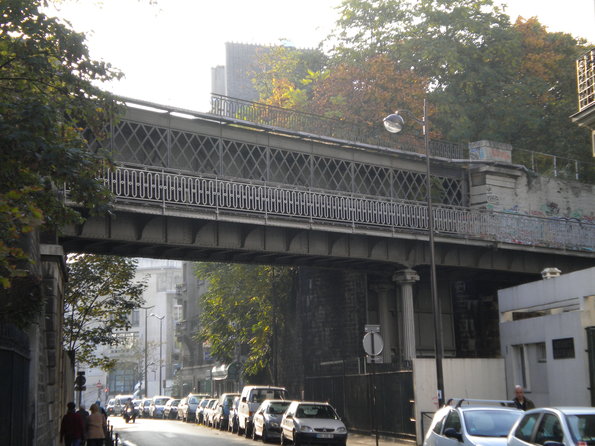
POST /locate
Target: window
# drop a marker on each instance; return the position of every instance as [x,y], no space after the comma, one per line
[438,427]
[563,348]
[549,429]
[134,318]
[541,352]
[520,366]
[525,427]
[453,421]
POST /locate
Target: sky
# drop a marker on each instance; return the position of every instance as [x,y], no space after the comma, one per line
[166,49]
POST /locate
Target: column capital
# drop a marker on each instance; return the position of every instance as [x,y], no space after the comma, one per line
[405,276]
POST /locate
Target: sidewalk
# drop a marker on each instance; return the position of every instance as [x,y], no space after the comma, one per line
[370,440]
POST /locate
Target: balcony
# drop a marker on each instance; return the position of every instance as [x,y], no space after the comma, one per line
[585,73]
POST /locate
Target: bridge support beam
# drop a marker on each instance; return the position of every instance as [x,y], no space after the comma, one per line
[386,318]
[405,279]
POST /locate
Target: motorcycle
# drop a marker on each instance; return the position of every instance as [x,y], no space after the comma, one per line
[129,414]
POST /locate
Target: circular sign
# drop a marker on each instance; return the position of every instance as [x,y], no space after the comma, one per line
[99,385]
[80,380]
[373,344]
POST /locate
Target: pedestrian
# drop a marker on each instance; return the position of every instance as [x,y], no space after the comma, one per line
[520,402]
[72,428]
[97,427]
[85,416]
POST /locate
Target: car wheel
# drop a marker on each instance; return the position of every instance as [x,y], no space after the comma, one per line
[265,435]
[248,430]
[296,442]
[240,430]
[254,437]
[283,440]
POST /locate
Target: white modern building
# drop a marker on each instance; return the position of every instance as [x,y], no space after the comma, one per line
[156,346]
[547,336]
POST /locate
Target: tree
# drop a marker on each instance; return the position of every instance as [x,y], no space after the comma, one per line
[243,309]
[48,96]
[100,295]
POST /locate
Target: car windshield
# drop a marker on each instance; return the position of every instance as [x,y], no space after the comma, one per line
[192,401]
[490,423]
[259,395]
[315,411]
[277,408]
[582,427]
[161,401]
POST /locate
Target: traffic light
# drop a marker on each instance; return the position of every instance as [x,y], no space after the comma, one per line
[79,382]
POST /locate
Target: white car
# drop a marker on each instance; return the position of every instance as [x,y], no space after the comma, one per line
[460,424]
[561,426]
[267,420]
[312,422]
[250,398]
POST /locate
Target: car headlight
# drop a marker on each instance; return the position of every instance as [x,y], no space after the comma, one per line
[274,424]
[305,429]
[341,430]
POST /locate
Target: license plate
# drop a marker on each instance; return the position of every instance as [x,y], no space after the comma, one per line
[324,435]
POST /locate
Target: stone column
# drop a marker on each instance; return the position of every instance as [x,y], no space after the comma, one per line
[405,279]
[386,319]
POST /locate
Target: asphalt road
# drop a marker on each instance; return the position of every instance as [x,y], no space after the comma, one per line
[149,432]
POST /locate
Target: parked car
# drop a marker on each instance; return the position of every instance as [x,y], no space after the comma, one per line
[250,399]
[187,407]
[312,422]
[170,410]
[109,409]
[157,406]
[232,425]
[209,412]
[562,426]
[221,413]
[144,407]
[200,409]
[472,423]
[267,420]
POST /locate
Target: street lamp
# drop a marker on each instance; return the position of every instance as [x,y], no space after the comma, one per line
[146,345]
[160,348]
[394,123]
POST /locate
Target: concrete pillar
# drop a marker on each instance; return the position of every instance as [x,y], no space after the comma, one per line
[405,279]
[386,319]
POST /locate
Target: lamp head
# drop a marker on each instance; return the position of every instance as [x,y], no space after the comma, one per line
[394,122]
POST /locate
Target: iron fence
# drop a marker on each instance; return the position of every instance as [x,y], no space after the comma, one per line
[334,128]
[351,395]
[176,189]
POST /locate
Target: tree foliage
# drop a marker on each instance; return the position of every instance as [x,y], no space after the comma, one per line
[100,295]
[484,77]
[241,311]
[48,93]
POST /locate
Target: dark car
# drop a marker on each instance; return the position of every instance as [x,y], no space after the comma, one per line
[221,415]
[232,425]
[170,410]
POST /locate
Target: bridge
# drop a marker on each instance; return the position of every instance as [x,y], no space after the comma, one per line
[217,187]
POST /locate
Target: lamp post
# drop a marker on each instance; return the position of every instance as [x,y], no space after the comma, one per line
[394,123]
[160,347]
[146,348]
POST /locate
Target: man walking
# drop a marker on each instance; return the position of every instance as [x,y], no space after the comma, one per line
[520,402]
[72,429]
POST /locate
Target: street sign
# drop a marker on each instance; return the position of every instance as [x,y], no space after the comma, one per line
[372,328]
[374,359]
[99,385]
[373,343]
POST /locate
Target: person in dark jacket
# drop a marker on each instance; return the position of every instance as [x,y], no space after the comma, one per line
[520,402]
[72,429]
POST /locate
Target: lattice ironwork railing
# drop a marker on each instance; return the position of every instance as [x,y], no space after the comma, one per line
[334,128]
[175,189]
[153,146]
[585,72]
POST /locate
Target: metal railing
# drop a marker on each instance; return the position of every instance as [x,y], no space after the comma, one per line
[585,73]
[181,190]
[333,128]
[541,163]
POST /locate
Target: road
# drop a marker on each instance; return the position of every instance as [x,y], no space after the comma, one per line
[149,432]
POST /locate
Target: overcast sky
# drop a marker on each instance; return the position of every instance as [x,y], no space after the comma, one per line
[167,50]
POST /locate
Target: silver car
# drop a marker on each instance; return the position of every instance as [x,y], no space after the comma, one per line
[459,424]
[561,426]
[267,420]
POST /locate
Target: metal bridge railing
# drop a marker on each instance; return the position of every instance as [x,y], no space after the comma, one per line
[334,128]
[175,189]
